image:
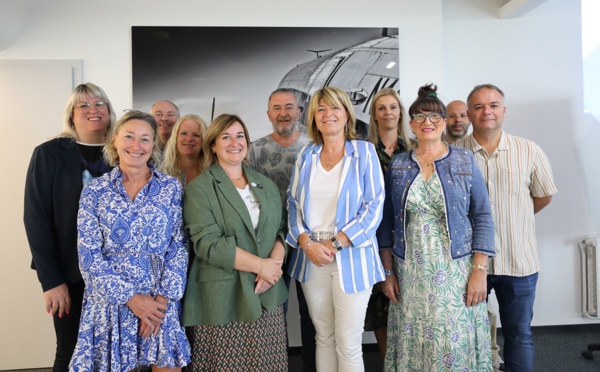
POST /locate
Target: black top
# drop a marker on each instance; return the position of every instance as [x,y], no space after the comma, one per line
[52,189]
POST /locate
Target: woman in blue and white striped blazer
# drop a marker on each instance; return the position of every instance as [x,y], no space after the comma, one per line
[335,205]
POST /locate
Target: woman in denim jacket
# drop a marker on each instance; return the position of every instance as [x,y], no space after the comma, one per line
[438,227]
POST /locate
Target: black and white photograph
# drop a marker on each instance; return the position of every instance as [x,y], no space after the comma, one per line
[213,70]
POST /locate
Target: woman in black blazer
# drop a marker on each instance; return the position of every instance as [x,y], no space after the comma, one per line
[57,172]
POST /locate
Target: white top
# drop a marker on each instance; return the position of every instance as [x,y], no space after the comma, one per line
[324,197]
[252,204]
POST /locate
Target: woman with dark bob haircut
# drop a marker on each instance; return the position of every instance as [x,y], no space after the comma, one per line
[438,227]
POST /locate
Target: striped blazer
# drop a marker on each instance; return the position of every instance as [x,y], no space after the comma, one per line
[358,214]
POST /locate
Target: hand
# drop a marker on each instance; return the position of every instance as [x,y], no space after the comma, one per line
[146,330]
[390,288]
[58,300]
[319,254]
[150,311]
[261,285]
[270,270]
[477,288]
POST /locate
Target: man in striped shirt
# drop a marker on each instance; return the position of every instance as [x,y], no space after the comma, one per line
[520,184]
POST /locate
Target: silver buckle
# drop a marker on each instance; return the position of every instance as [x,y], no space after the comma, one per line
[321,236]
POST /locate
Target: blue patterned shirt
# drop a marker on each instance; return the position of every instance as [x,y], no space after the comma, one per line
[132,247]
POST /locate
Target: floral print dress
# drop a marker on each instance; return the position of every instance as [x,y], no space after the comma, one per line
[431,328]
[130,247]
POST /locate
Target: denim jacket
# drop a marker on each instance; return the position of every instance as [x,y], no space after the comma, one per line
[468,215]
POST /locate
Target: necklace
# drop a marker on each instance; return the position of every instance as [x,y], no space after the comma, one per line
[328,164]
[436,154]
[392,147]
[134,182]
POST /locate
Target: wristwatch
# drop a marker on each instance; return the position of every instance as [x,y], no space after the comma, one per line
[336,243]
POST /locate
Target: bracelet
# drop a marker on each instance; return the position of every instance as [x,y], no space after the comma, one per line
[261,263]
[388,272]
[307,245]
[480,267]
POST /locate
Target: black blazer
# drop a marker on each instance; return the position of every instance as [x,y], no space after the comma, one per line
[52,189]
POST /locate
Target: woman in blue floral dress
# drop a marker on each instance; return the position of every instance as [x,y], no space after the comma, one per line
[132,258]
[438,225]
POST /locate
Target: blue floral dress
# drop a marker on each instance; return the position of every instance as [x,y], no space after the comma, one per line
[431,328]
[130,247]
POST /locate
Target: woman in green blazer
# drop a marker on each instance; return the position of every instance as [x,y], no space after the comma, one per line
[234,298]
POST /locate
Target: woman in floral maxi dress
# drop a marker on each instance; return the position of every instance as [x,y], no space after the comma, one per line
[438,225]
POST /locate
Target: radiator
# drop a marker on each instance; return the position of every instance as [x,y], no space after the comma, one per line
[589,248]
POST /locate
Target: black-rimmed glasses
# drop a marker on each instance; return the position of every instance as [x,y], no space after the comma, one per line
[434,117]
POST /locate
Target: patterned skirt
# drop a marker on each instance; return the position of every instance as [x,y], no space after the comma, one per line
[238,346]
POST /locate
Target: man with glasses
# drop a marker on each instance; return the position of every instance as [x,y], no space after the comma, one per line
[457,121]
[166,114]
[520,184]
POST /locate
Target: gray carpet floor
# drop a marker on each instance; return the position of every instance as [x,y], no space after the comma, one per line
[557,349]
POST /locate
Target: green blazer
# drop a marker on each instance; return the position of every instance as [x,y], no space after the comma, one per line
[217,221]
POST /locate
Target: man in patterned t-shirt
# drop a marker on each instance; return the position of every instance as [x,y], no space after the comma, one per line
[274,156]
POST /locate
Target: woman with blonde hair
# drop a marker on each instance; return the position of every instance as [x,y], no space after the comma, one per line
[58,170]
[335,200]
[133,258]
[233,304]
[387,133]
[183,157]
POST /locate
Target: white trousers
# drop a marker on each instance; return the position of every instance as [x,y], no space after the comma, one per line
[338,318]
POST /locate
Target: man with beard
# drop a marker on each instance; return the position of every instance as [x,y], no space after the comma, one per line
[274,156]
[166,113]
[457,121]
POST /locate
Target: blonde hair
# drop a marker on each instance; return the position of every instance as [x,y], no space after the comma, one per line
[80,93]
[110,151]
[374,125]
[171,164]
[218,126]
[334,97]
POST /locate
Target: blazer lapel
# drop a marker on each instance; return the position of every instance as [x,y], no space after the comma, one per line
[230,193]
[70,156]
[348,172]
[259,192]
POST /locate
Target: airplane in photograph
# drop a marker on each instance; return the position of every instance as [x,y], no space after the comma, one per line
[360,70]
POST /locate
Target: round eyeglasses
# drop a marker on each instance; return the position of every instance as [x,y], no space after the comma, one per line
[434,117]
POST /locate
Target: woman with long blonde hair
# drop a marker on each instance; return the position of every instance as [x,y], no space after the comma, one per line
[183,156]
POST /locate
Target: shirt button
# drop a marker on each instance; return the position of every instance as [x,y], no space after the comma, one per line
[258,240]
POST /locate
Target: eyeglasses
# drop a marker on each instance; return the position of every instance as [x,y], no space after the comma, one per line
[85,106]
[434,117]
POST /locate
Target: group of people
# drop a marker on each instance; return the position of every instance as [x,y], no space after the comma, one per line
[404,235]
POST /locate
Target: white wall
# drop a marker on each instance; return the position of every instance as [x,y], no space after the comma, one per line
[534,58]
